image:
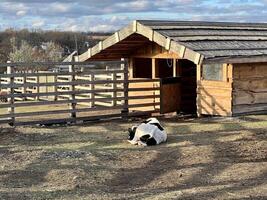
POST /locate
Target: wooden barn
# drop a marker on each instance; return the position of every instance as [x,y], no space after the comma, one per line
[208,68]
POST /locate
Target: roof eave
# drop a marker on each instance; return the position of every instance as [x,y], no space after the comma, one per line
[154,36]
[236,60]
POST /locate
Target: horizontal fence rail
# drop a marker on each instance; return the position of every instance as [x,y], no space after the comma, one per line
[34,64]
[44,93]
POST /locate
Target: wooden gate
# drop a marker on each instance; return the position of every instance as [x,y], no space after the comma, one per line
[170,95]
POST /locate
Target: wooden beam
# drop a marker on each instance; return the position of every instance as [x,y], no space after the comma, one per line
[127,45]
[168,44]
[134,26]
[100,46]
[151,35]
[89,53]
[72,106]
[153,68]
[225,73]
[198,72]
[174,67]
[230,73]
[11,99]
[117,35]
[165,55]
[131,67]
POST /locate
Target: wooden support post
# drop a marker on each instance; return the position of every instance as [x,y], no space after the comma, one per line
[55,88]
[24,89]
[153,68]
[174,67]
[114,86]
[92,87]
[11,100]
[198,72]
[72,89]
[38,87]
[225,72]
[46,87]
[230,73]
[131,64]
[125,110]
[154,75]
[198,98]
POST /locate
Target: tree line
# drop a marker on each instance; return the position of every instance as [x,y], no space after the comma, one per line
[44,45]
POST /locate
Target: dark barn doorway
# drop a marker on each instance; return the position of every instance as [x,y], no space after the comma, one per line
[188,72]
[178,94]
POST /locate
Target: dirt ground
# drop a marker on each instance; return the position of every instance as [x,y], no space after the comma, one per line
[219,158]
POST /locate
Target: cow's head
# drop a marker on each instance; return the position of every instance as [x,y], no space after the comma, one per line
[131,133]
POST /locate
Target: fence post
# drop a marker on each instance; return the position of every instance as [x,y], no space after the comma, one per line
[24,89]
[114,87]
[38,86]
[92,87]
[11,100]
[72,89]
[55,88]
[125,109]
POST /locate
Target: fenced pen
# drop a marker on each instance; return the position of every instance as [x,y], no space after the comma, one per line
[83,91]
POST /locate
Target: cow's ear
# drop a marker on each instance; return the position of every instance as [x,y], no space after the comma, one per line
[158,125]
[147,121]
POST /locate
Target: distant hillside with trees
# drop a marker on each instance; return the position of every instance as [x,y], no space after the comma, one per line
[14,42]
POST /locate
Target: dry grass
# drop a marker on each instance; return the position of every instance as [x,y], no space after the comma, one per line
[203,159]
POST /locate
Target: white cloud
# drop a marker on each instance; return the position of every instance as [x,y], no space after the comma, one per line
[21,13]
[117,19]
[110,15]
[93,23]
[73,28]
[38,23]
[13,7]
[138,5]
[102,28]
[60,7]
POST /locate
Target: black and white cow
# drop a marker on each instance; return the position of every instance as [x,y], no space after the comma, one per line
[148,133]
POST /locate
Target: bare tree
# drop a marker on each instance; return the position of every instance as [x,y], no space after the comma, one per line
[49,52]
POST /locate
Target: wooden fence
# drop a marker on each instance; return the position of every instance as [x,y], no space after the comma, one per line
[110,77]
[94,93]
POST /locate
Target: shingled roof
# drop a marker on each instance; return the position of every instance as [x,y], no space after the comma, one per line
[195,41]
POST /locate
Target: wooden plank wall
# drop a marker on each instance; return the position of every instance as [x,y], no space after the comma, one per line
[151,89]
[250,88]
[170,100]
[149,51]
[215,97]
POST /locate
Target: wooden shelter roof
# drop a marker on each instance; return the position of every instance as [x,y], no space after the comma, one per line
[195,41]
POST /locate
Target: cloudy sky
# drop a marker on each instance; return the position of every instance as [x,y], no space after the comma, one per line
[110,15]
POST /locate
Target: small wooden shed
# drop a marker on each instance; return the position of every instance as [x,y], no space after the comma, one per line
[220,68]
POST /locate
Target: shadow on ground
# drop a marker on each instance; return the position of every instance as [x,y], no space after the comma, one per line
[203,159]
